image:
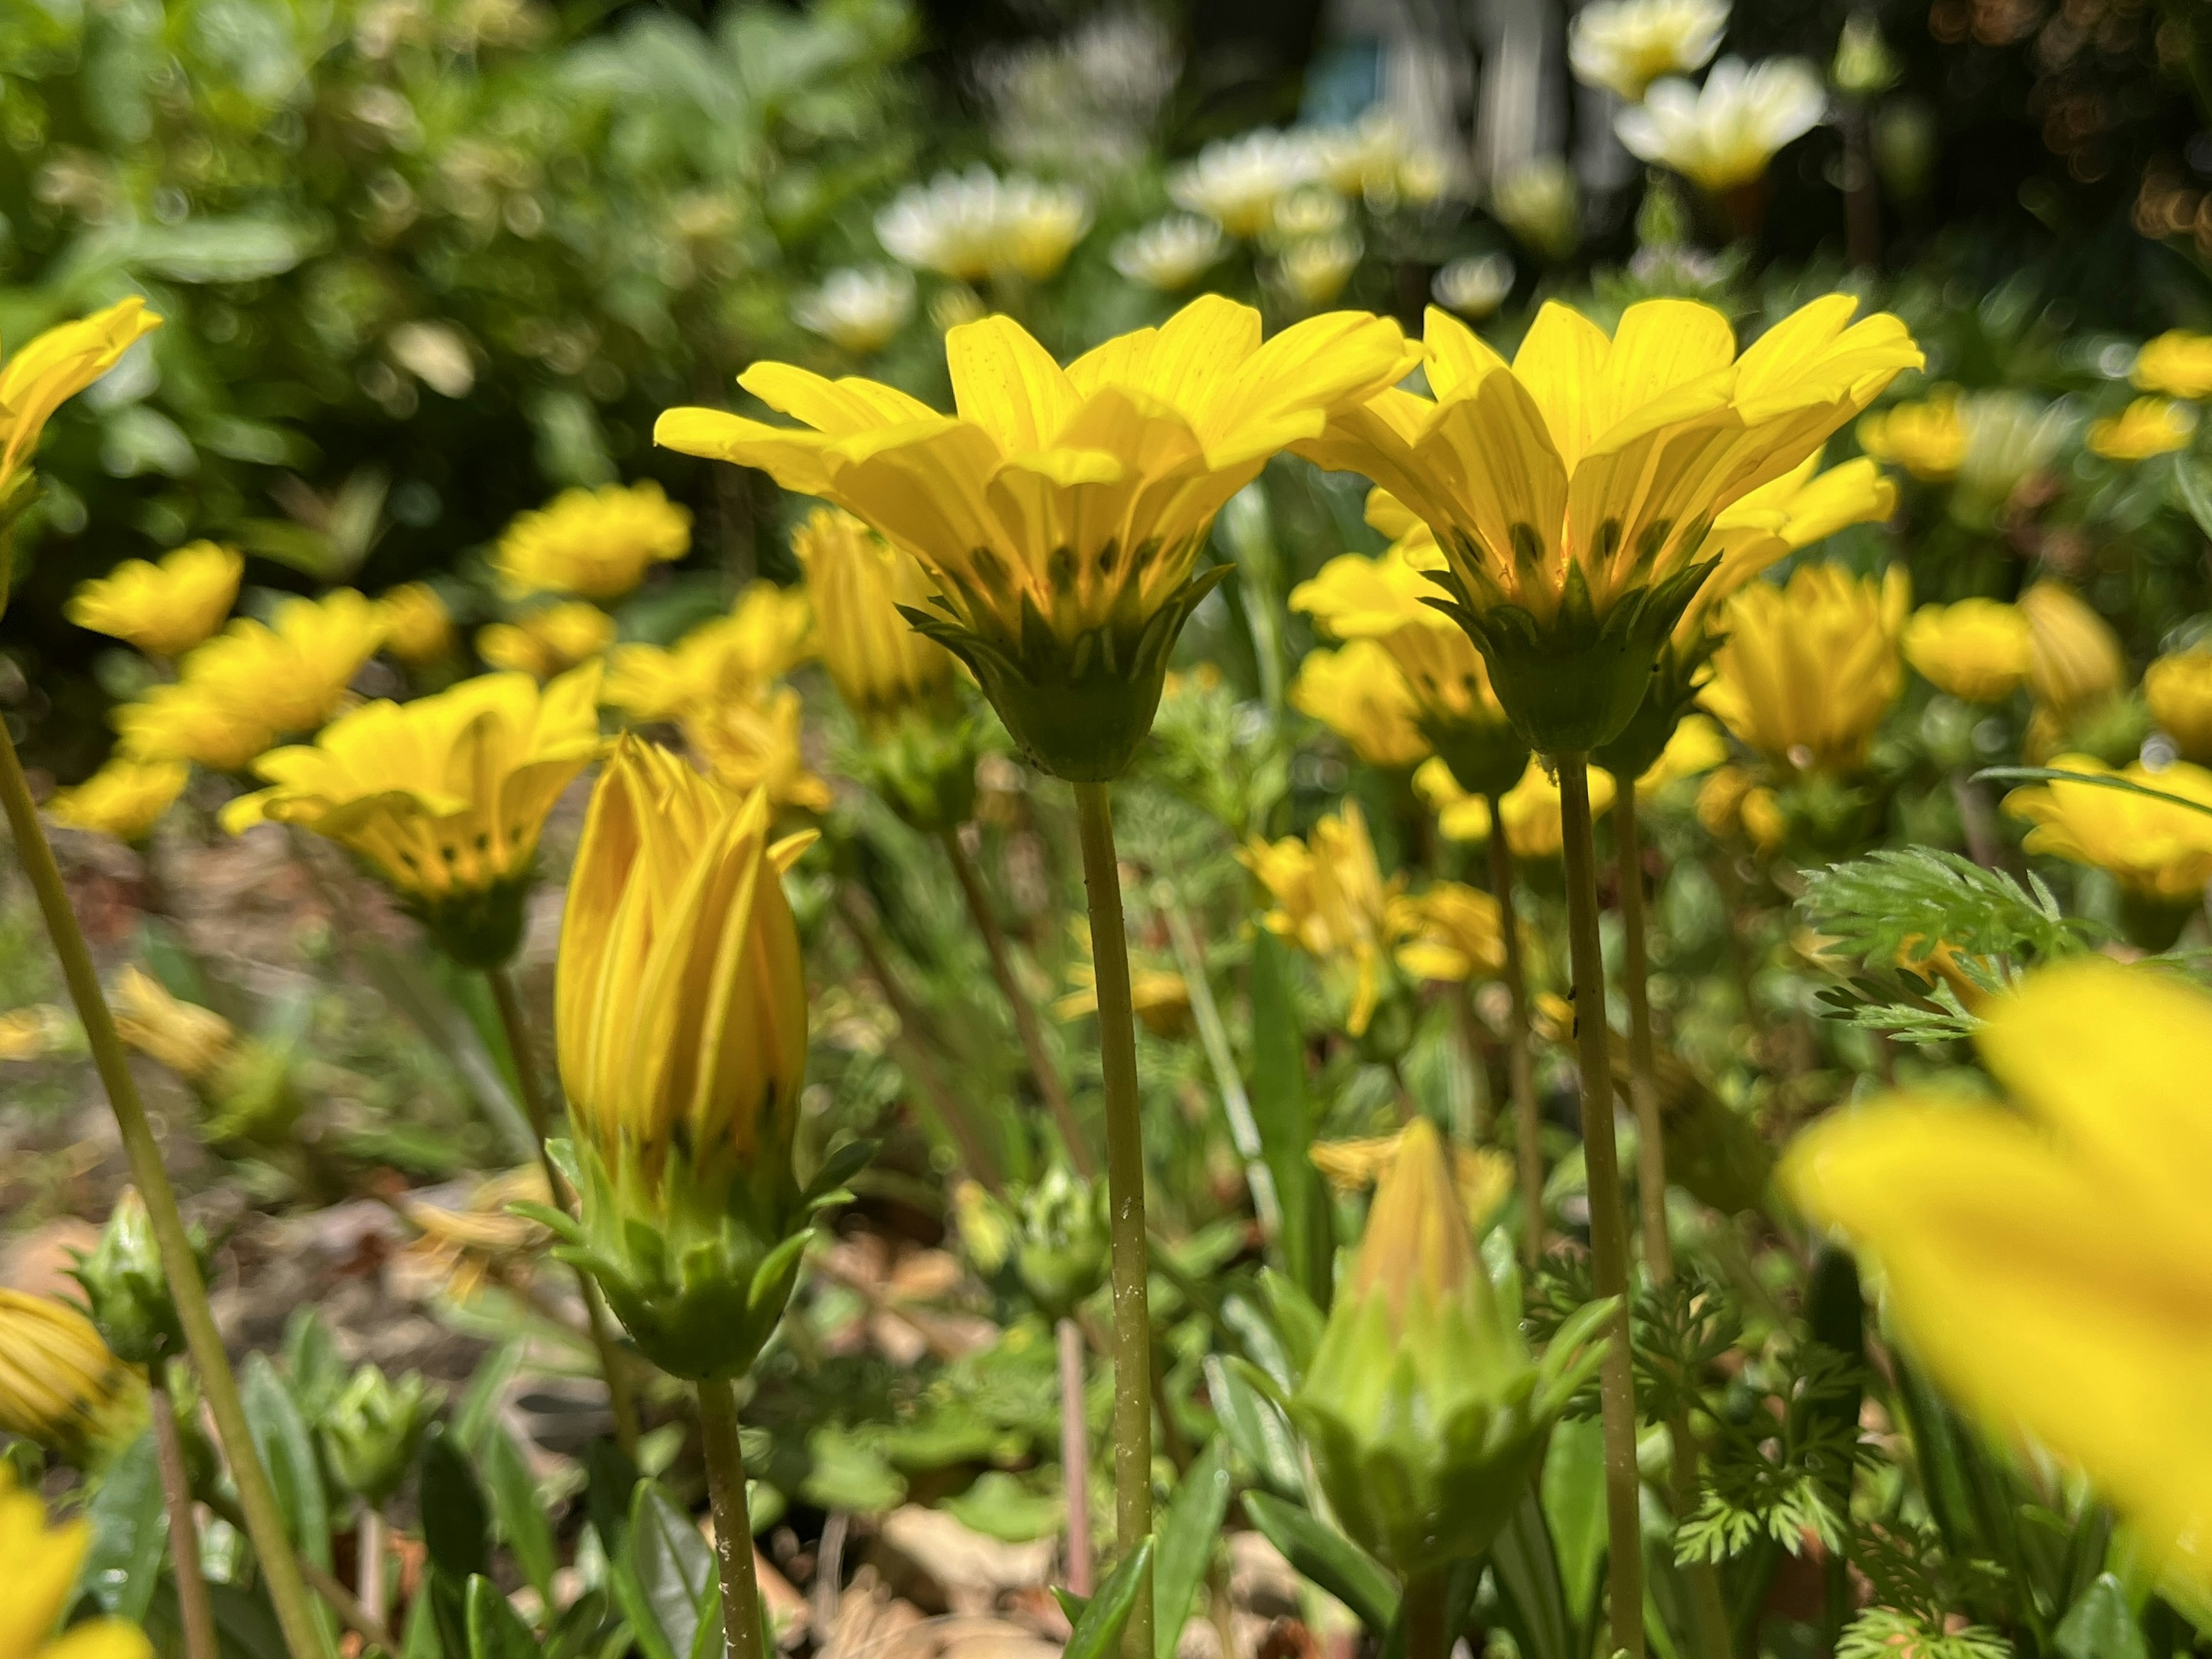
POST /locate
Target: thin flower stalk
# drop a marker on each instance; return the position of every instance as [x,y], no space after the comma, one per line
[1075,1454]
[733,1534]
[194,1610]
[1520,1068]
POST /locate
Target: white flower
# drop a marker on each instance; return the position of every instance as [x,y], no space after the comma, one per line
[1475,286]
[1722,137]
[1626,45]
[1375,159]
[2010,436]
[1305,214]
[857,307]
[969,225]
[1169,254]
[1315,271]
[1540,203]
[1236,182]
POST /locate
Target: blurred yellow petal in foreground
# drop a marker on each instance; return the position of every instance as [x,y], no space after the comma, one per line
[54,368]
[42,1564]
[594,543]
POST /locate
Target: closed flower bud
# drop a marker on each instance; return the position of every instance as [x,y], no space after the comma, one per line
[60,1385]
[2178,690]
[1061,1250]
[373,1429]
[2075,661]
[126,1289]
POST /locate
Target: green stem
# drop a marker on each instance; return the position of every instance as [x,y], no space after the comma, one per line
[733,1528]
[1520,1069]
[1074,1455]
[1125,1182]
[1025,1020]
[1608,1223]
[620,1399]
[288,1592]
[193,1608]
[1422,1615]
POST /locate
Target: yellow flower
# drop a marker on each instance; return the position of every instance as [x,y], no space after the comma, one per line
[2074,661]
[124,798]
[1530,808]
[753,743]
[1721,136]
[290,677]
[2050,1261]
[43,1564]
[1625,46]
[548,641]
[1805,505]
[193,1041]
[34,1032]
[2177,363]
[1572,491]
[418,628]
[856,583]
[165,609]
[1696,747]
[2147,427]
[1977,650]
[445,796]
[593,543]
[187,722]
[60,1386]
[1060,512]
[462,1248]
[764,638]
[1448,931]
[1358,694]
[2178,688]
[1159,996]
[1808,669]
[2156,850]
[1330,900]
[1483,1177]
[52,368]
[1927,439]
[1730,803]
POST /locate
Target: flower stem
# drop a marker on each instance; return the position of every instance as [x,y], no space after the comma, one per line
[1520,1071]
[1075,1457]
[368,1560]
[1422,1611]
[193,1608]
[1025,1020]
[733,1528]
[621,1400]
[288,1592]
[1125,1183]
[1608,1223]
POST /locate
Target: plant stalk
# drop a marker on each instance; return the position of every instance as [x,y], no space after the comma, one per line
[1047,1075]
[1125,1182]
[1075,1455]
[1422,1613]
[1520,1069]
[1608,1223]
[620,1399]
[194,1610]
[368,1550]
[733,1528]
[287,1591]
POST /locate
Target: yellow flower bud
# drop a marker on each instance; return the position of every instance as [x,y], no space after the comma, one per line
[858,584]
[165,609]
[126,799]
[2178,690]
[2075,661]
[1977,650]
[59,1385]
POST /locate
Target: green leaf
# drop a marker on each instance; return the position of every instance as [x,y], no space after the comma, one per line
[1574,1510]
[1187,1536]
[1299,1320]
[1256,1429]
[474,1416]
[495,1630]
[2101,1626]
[130,1529]
[670,1574]
[1097,1633]
[521,1517]
[1282,1107]
[1328,1557]
[456,1526]
[288,1454]
[998,1505]
[312,1364]
[2196,488]
[2095,780]
[245,1624]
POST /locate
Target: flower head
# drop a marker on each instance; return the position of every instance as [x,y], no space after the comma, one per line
[1482,1176]
[2178,688]
[43,1564]
[1864,65]
[445,796]
[857,307]
[1695,748]
[292,675]
[1809,668]
[1540,203]
[753,743]
[184,721]
[1572,491]
[1473,287]
[2177,363]
[1721,136]
[2075,661]
[1625,46]
[194,1042]
[2048,1259]
[1805,505]
[1449,932]
[126,799]
[593,544]
[1977,650]
[59,1384]
[1314,270]
[1530,809]
[2147,427]
[768,633]
[1359,694]
[373,1429]
[2157,850]
[165,609]
[974,225]
[856,583]
[418,628]
[2011,436]
[1331,901]
[1060,512]
[1236,182]
[548,639]
[1928,438]
[1169,254]
[52,368]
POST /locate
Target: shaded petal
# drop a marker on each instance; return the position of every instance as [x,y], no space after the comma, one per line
[1007,384]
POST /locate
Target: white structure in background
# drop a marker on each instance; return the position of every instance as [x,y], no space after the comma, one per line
[1087,101]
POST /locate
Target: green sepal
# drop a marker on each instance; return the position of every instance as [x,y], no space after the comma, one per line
[1676,680]
[479,928]
[920,761]
[560,1222]
[1486,758]
[843,1162]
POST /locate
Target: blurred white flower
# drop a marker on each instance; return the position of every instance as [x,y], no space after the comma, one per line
[1475,286]
[1169,254]
[1626,45]
[1722,136]
[1315,271]
[1540,203]
[436,354]
[1236,182]
[1306,213]
[969,225]
[857,307]
[1087,101]
[2010,436]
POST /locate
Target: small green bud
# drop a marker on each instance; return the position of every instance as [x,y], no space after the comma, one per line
[1663,220]
[1864,64]
[251,1096]
[1062,1250]
[375,1428]
[127,1290]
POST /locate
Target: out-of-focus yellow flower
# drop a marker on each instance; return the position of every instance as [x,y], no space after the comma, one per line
[2155,849]
[445,796]
[1625,46]
[1160,996]
[2177,363]
[548,641]
[1977,650]
[1805,505]
[43,1565]
[2147,427]
[1530,808]
[187,722]
[292,675]
[1571,491]
[54,368]
[1482,1176]
[1171,254]
[1061,512]
[751,743]
[857,584]
[165,609]
[1809,668]
[124,798]
[1331,901]
[34,1032]
[462,1248]
[1696,747]
[1721,136]
[2075,661]
[193,1041]
[1928,438]
[2049,1259]
[2178,688]
[767,635]
[593,544]
[1732,802]
[1540,203]
[1358,693]
[59,1385]
[1314,269]
[1238,182]
[860,308]
[418,628]
[1448,931]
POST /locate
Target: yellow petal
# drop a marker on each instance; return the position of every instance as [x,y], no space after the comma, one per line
[1007,384]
